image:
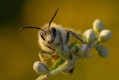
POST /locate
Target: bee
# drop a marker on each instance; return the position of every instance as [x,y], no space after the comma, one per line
[51,36]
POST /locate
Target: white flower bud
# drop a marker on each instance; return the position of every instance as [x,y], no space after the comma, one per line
[104,35]
[40,67]
[98,26]
[84,50]
[89,36]
[102,51]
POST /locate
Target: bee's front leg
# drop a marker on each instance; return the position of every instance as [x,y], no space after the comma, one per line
[42,57]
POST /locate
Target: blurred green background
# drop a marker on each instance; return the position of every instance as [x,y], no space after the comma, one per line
[19,50]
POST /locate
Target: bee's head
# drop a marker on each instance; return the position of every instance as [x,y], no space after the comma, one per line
[47,33]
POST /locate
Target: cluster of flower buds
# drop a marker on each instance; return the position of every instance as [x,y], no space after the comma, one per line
[93,38]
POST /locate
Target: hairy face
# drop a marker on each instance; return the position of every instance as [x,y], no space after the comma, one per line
[48,35]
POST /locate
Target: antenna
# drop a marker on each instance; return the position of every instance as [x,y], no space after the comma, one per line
[53,16]
[31,27]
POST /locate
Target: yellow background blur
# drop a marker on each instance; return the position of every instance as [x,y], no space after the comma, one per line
[19,50]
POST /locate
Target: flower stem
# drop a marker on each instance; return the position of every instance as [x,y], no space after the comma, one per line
[57,63]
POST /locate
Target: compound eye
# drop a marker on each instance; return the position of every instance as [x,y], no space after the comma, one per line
[42,36]
[54,32]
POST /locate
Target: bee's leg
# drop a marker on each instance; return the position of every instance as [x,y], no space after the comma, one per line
[42,57]
[71,70]
[55,57]
[76,35]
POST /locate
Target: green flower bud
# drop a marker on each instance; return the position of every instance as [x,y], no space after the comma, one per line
[40,67]
[102,51]
[98,26]
[89,36]
[84,50]
[104,35]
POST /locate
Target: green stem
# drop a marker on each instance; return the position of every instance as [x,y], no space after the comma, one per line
[94,44]
[56,64]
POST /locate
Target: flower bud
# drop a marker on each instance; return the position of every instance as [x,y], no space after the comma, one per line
[102,51]
[40,67]
[89,36]
[84,50]
[76,49]
[104,35]
[97,26]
